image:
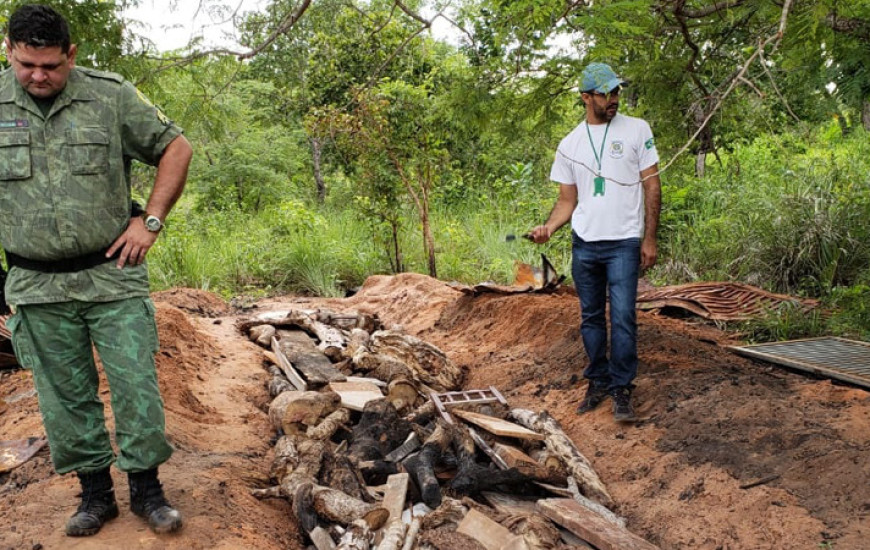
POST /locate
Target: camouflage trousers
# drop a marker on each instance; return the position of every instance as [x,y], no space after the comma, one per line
[55,342]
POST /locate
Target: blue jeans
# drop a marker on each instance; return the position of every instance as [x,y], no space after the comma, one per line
[598,266]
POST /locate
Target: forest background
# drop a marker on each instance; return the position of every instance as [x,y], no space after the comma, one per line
[341,140]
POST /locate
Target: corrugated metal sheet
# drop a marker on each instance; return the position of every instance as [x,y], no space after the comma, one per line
[719,301]
[838,358]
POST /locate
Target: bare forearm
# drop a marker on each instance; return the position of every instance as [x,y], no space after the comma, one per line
[171,177]
[652,200]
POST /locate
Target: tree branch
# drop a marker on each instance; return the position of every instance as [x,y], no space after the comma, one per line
[709,10]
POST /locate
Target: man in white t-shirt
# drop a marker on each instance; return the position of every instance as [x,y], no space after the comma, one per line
[610,191]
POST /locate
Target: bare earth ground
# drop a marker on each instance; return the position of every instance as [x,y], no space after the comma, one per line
[713,422]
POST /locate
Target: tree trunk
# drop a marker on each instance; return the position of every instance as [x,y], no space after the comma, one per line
[700,164]
[865,113]
[316,149]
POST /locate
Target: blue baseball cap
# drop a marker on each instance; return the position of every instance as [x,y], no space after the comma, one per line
[599,77]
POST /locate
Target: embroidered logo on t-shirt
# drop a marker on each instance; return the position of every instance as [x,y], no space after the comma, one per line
[650,143]
[617,149]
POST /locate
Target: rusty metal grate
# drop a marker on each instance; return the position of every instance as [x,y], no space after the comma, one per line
[838,358]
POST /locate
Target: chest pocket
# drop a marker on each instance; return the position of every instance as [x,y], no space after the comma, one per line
[88,150]
[15,155]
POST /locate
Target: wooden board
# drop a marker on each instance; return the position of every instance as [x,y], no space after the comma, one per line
[590,526]
[355,395]
[394,496]
[498,426]
[510,504]
[492,535]
[303,354]
[287,368]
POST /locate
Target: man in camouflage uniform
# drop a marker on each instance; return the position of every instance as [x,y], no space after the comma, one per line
[76,254]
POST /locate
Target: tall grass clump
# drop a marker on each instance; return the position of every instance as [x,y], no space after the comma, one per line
[784,213]
[287,248]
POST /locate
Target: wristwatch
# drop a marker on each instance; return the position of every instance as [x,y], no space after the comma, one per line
[152,223]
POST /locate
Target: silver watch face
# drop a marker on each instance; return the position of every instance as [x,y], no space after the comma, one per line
[152,223]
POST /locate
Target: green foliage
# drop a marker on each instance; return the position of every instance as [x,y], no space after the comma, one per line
[785,213]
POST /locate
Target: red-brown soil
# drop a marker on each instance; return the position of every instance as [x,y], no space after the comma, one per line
[713,421]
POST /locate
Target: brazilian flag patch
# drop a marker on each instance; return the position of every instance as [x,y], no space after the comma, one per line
[650,143]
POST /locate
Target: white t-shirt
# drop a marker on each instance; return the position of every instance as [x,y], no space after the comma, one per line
[612,211]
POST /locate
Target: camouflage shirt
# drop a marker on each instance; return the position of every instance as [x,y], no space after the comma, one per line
[65,182]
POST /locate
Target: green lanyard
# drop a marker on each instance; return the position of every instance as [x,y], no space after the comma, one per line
[599,156]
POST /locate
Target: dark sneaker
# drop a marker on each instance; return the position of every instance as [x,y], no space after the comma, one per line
[97,507]
[595,394]
[623,411]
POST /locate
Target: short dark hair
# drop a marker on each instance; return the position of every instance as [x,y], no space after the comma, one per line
[38,26]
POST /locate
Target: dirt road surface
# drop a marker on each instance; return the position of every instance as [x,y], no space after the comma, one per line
[713,422]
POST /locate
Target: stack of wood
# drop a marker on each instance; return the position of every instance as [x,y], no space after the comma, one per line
[377,448]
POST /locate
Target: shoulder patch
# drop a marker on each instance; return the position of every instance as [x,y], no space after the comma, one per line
[650,143]
[160,114]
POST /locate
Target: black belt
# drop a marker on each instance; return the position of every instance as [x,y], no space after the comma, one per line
[67,265]
[70,265]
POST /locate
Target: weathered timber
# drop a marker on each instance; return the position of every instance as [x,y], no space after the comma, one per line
[357,340]
[538,532]
[590,526]
[357,537]
[394,497]
[340,474]
[293,411]
[332,340]
[427,364]
[423,414]
[286,458]
[307,359]
[560,444]
[336,506]
[301,468]
[379,431]
[471,478]
[394,535]
[307,468]
[302,506]
[488,533]
[278,384]
[262,334]
[349,320]
[329,425]
[413,531]
[498,426]
[421,466]
[515,458]
[287,367]
[402,394]
[449,513]
[593,506]
[355,395]
[409,446]
[321,539]
[509,505]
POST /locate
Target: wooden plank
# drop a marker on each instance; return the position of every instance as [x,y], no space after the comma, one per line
[590,526]
[355,395]
[287,368]
[394,497]
[321,539]
[303,354]
[488,533]
[498,426]
[509,504]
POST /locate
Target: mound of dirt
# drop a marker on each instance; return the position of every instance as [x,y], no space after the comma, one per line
[715,425]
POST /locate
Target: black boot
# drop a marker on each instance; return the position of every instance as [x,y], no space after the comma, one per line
[147,501]
[98,504]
